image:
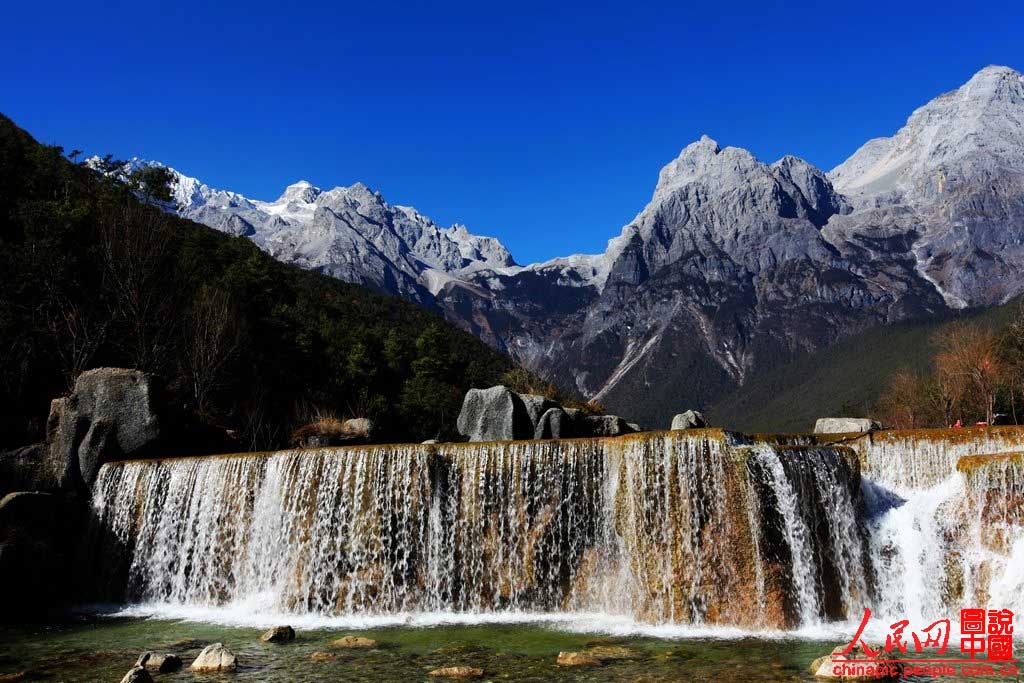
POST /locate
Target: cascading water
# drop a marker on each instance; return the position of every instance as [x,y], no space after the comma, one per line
[660,528]
[699,527]
[945,522]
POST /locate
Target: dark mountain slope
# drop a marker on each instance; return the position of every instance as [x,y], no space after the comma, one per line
[93,277]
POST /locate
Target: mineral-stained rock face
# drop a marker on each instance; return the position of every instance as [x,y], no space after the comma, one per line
[996,487]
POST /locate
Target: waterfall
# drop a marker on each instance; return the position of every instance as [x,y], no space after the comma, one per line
[945,521]
[905,461]
[693,528]
[699,527]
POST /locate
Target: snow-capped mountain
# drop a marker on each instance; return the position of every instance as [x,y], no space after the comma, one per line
[736,265]
[348,232]
[732,267]
[950,184]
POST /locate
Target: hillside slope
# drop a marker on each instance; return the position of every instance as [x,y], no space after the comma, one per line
[93,277]
[845,379]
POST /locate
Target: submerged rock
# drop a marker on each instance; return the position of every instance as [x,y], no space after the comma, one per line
[159,661]
[215,657]
[457,672]
[844,425]
[279,634]
[323,656]
[612,653]
[691,419]
[577,659]
[881,667]
[137,675]
[354,643]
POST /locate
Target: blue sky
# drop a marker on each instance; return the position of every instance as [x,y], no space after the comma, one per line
[543,124]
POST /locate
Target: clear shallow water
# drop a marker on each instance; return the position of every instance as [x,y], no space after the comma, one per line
[104,648]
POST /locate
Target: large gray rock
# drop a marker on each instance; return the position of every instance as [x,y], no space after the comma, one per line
[215,657]
[536,406]
[844,425]
[137,675]
[360,427]
[691,419]
[111,413]
[603,425]
[162,662]
[494,414]
[279,634]
[555,423]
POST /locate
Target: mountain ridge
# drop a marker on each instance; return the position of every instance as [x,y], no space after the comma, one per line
[733,266]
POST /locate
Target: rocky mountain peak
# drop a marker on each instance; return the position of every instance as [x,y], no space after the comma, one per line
[976,127]
[303,191]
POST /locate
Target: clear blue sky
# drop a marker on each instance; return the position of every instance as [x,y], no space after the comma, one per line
[543,124]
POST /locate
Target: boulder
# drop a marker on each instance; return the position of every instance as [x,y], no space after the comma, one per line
[553,424]
[844,425]
[457,672]
[112,413]
[215,657]
[536,406]
[354,643]
[691,419]
[137,675]
[879,666]
[159,661]
[360,427]
[495,414]
[279,634]
[323,656]
[576,659]
[603,425]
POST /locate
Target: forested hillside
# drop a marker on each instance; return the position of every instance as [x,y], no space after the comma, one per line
[91,277]
[853,376]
